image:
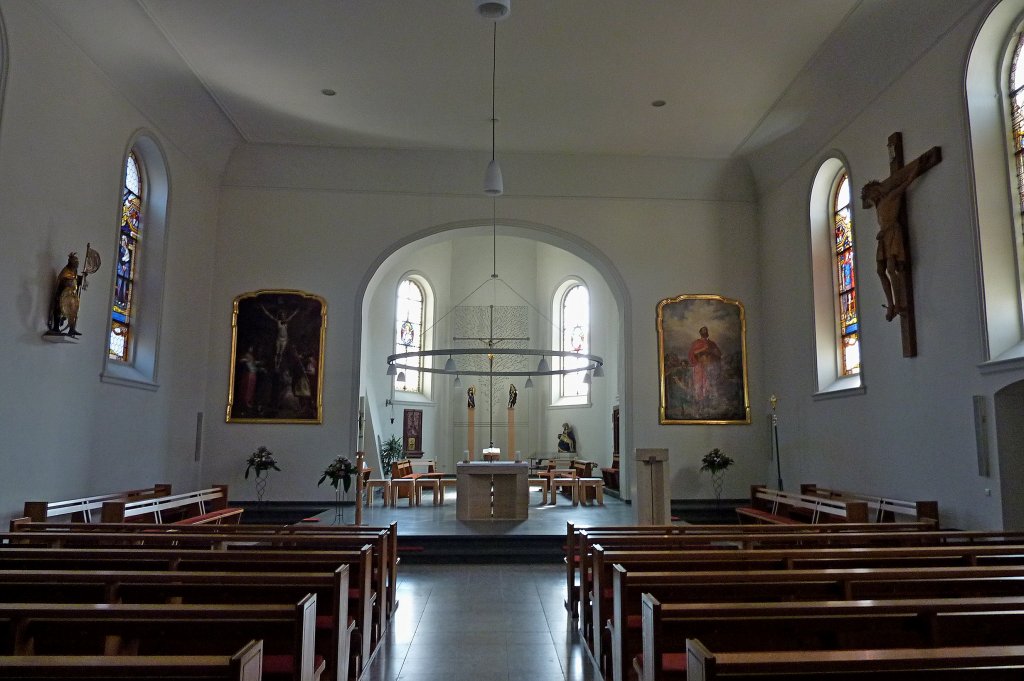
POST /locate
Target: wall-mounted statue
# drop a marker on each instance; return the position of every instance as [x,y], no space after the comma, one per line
[471,397]
[67,294]
[513,395]
[567,440]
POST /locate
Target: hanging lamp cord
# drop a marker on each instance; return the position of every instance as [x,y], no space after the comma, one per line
[494,70]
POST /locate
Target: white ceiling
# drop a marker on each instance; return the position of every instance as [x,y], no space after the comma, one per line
[573,76]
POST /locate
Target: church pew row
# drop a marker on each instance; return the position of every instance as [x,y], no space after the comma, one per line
[819,626]
[577,550]
[599,604]
[287,631]
[383,541]
[623,630]
[245,665]
[334,626]
[596,603]
[387,551]
[81,510]
[363,604]
[882,509]
[961,663]
[201,506]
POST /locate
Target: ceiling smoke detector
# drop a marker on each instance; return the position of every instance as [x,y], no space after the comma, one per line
[493,10]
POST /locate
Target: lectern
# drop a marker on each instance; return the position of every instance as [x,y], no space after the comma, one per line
[653,498]
[492,491]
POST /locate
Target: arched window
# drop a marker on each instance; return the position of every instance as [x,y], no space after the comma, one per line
[846,280]
[126,268]
[834,277]
[995,108]
[410,321]
[572,302]
[138,274]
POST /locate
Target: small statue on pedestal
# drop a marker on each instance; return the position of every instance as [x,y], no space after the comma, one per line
[513,395]
[67,294]
[567,440]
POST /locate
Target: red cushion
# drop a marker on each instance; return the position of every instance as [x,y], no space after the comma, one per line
[325,621]
[634,621]
[670,662]
[196,519]
[311,520]
[278,664]
[353,594]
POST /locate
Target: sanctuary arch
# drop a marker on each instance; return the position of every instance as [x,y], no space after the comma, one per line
[455,259]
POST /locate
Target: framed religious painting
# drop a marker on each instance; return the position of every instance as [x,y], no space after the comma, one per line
[702,360]
[277,357]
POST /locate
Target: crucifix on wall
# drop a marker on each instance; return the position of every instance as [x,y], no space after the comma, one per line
[893,260]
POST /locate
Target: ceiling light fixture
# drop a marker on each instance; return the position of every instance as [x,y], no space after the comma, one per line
[493,10]
[493,183]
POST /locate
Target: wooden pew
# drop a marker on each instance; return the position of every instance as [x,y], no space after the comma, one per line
[334,625]
[984,663]
[602,599]
[821,625]
[120,629]
[197,507]
[245,665]
[81,510]
[787,508]
[363,598]
[883,509]
[795,585]
[386,554]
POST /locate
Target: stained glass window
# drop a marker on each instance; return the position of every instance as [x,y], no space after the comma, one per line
[575,333]
[846,285]
[1017,116]
[409,320]
[126,267]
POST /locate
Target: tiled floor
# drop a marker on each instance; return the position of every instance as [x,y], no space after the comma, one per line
[481,623]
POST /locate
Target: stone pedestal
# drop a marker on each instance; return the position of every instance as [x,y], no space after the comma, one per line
[492,491]
[653,497]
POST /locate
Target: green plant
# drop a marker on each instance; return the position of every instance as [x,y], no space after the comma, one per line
[390,452]
[259,461]
[339,470]
[715,461]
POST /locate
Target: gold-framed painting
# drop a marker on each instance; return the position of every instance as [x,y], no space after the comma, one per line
[702,360]
[277,357]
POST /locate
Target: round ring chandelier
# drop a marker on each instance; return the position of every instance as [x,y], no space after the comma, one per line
[593,364]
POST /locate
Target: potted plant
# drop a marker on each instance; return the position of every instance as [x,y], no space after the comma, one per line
[716,462]
[390,452]
[339,470]
[260,461]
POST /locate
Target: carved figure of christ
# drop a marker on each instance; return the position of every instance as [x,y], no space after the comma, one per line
[893,257]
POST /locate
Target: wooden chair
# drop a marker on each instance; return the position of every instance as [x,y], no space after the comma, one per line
[563,479]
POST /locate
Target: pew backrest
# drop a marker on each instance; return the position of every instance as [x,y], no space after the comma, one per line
[82,510]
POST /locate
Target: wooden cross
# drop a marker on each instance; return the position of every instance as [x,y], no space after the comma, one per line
[893,260]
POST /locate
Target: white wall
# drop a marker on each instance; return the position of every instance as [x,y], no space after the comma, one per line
[64,132]
[911,434]
[325,220]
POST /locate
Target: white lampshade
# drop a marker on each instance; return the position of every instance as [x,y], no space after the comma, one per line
[586,377]
[401,377]
[543,366]
[529,382]
[457,382]
[493,184]
[392,370]
[449,366]
[599,371]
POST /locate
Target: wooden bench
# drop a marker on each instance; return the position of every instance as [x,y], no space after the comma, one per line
[335,627]
[245,665]
[883,509]
[624,627]
[201,506]
[600,602]
[820,625]
[985,663]
[385,554]
[403,481]
[81,510]
[287,631]
[363,603]
[786,508]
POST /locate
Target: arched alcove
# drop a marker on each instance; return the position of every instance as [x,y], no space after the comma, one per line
[458,259]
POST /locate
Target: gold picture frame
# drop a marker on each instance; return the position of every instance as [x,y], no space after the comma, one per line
[277,357]
[702,361]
